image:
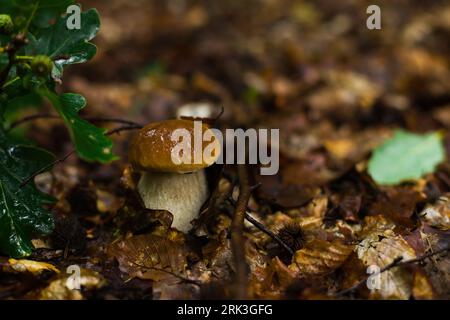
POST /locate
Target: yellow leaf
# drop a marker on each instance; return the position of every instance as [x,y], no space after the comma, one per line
[35,267]
[62,287]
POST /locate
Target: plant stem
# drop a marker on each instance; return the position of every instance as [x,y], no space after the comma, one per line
[264,229]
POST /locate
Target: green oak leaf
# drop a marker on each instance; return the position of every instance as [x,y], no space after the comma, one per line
[406,156]
[64,45]
[22,214]
[42,12]
[90,141]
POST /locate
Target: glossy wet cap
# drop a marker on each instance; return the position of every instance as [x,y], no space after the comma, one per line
[152,148]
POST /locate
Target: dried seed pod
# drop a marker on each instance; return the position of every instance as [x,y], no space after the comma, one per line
[292,234]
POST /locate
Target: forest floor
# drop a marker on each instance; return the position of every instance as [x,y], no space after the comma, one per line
[336,91]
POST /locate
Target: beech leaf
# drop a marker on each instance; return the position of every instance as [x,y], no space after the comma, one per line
[406,156]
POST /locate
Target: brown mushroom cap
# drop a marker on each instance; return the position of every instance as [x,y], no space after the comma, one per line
[152,147]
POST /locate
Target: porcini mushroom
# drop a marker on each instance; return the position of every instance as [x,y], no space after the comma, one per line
[180,188]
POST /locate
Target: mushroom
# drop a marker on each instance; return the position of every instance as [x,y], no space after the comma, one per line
[180,188]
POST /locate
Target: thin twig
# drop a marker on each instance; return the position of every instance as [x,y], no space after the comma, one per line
[264,229]
[124,128]
[237,229]
[222,110]
[396,263]
[54,116]
[192,281]
[67,155]
[45,168]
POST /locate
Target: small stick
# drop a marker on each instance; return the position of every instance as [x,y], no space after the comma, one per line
[45,168]
[54,116]
[67,155]
[124,128]
[191,281]
[397,262]
[264,229]
[237,237]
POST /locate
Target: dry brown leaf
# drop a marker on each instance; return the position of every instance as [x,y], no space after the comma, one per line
[376,224]
[320,257]
[277,278]
[422,288]
[150,257]
[438,214]
[398,204]
[285,276]
[352,148]
[380,247]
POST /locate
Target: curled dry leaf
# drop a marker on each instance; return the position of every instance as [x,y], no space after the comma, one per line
[379,248]
[320,257]
[150,257]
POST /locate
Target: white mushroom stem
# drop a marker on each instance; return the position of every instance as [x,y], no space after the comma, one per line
[180,194]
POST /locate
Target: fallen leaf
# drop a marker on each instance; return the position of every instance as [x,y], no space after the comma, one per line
[380,247]
[406,156]
[35,267]
[438,214]
[422,288]
[149,257]
[320,257]
[62,287]
[398,204]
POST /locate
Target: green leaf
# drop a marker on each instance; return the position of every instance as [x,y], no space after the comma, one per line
[21,209]
[90,141]
[64,45]
[44,11]
[406,156]
[3,60]
[49,10]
